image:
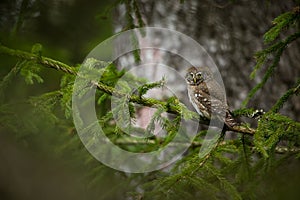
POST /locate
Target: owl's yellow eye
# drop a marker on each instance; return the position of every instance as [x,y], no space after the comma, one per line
[190,76]
[198,75]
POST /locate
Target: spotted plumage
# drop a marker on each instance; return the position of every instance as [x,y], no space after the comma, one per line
[207,96]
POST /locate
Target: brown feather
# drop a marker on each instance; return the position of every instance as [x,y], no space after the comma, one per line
[207,96]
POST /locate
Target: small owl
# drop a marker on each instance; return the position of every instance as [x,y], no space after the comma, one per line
[207,96]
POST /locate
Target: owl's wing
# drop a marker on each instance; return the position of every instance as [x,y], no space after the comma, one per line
[216,91]
[214,101]
[210,103]
[213,108]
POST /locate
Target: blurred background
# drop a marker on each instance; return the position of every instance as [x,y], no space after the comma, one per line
[45,160]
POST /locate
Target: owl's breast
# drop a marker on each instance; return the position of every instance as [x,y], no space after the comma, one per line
[192,100]
[199,101]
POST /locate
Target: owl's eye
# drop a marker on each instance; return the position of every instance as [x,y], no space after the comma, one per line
[190,76]
[199,75]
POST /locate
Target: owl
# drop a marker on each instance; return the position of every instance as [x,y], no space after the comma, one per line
[207,96]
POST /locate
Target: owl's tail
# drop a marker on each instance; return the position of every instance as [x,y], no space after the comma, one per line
[235,125]
[230,121]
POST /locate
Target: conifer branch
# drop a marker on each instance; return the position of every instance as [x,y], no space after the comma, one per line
[197,144]
[242,129]
[173,107]
[48,62]
[277,49]
[286,96]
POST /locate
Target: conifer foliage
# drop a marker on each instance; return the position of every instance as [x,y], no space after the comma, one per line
[245,167]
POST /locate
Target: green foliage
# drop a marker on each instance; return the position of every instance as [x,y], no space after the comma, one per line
[157,117]
[292,91]
[235,168]
[273,128]
[282,22]
[37,49]
[111,75]
[144,88]
[30,69]
[45,104]
[133,12]
[194,178]
[6,81]
[248,112]
[138,14]
[66,92]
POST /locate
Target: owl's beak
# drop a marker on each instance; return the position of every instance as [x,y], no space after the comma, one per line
[195,80]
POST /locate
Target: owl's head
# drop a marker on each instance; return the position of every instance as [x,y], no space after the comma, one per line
[195,76]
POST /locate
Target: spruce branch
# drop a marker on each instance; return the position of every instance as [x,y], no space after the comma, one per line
[174,107]
[47,62]
[282,22]
[292,91]
[261,56]
[8,79]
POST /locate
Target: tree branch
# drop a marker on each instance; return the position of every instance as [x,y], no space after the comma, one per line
[174,107]
[48,62]
[196,144]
